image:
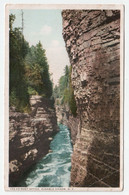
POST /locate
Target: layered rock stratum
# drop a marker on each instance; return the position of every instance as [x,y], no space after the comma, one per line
[92,40]
[30,136]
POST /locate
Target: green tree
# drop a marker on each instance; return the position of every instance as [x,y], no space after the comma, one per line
[64,90]
[18,49]
[29,70]
[37,71]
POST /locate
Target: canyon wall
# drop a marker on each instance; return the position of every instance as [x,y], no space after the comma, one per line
[29,136]
[65,117]
[92,40]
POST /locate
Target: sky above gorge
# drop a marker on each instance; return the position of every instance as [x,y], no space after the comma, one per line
[45,26]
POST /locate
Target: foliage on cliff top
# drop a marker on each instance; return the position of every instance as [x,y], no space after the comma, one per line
[29,70]
[63,93]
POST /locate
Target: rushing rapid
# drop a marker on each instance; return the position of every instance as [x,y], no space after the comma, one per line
[54,169]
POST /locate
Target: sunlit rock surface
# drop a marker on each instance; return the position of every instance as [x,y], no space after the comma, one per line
[30,136]
[92,40]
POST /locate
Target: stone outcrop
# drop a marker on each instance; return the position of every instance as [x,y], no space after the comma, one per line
[62,113]
[92,40]
[65,117]
[73,125]
[30,136]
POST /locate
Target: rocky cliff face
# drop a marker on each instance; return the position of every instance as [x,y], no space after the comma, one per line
[29,136]
[65,117]
[62,113]
[92,40]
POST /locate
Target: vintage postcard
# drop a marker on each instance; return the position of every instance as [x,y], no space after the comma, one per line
[64,97]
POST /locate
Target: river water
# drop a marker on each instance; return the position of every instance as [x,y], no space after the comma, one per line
[54,169]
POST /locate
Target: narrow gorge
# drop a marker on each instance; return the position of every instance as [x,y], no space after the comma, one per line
[67,135]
